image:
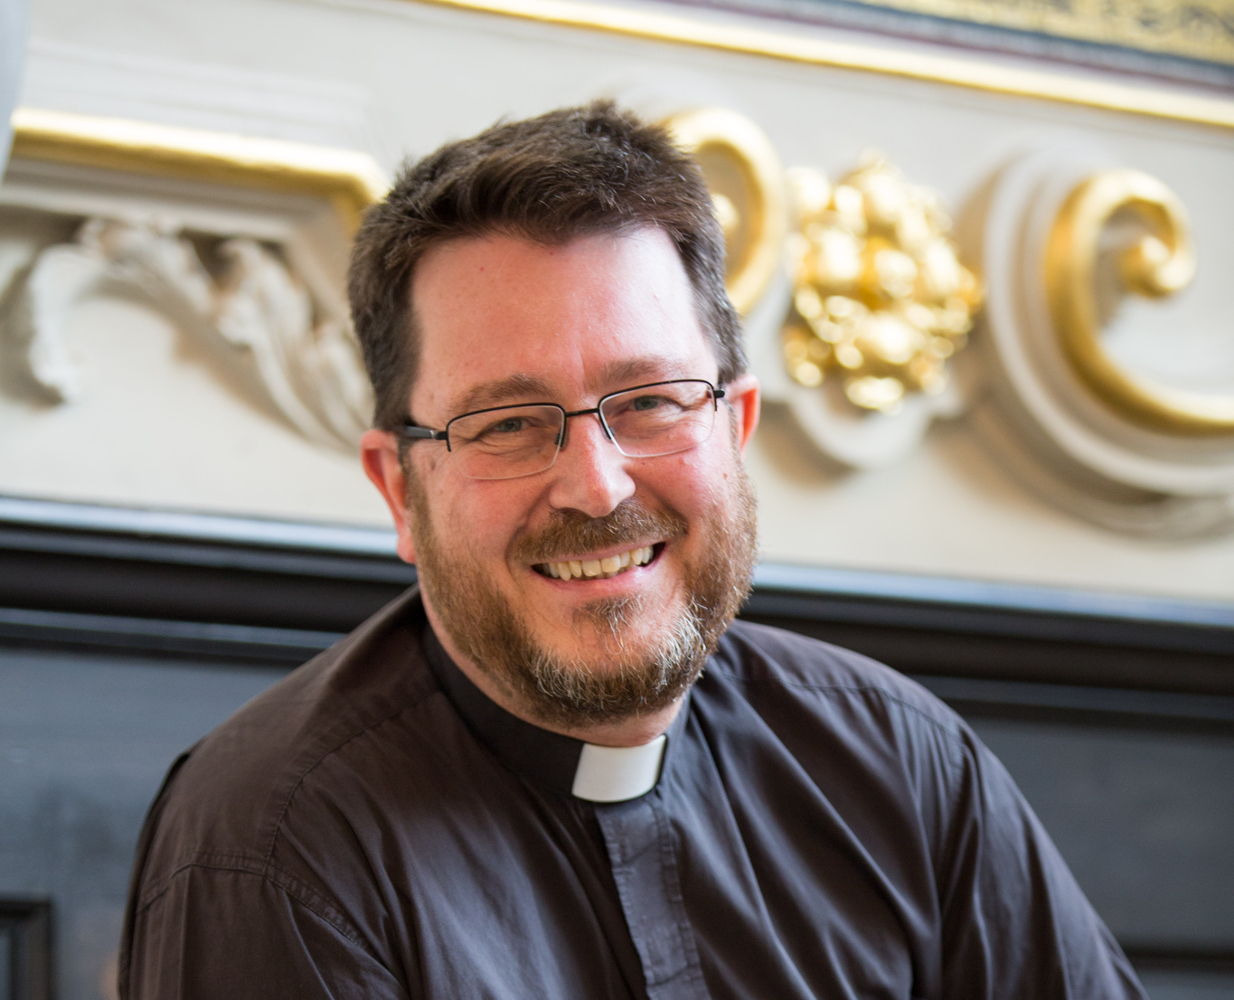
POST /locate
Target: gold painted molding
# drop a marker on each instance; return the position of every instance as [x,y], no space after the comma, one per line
[1156,265]
[880,298]
[746,179]
[350,180]
[1158,102]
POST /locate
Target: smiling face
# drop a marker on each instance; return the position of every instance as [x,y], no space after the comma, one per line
[594,589]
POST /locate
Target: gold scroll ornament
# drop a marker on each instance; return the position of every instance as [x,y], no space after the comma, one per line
[880,298]
[1157,264]
[746,181]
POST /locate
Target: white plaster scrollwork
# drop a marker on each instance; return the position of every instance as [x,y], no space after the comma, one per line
[1074,444]
[260,321]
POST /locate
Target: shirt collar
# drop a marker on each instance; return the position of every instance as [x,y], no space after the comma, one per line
[585,770]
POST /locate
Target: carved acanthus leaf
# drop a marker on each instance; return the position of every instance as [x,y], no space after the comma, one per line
[251,311]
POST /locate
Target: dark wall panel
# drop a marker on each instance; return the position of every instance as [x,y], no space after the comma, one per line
[1144,818]
[84,743]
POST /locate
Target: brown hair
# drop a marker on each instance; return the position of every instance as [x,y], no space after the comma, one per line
[568,173]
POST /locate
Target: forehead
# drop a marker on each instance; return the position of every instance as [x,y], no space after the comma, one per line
[501,318]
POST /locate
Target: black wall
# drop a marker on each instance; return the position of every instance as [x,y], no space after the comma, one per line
[123,638]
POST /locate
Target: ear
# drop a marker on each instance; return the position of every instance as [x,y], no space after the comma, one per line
[379,455]
[742,395]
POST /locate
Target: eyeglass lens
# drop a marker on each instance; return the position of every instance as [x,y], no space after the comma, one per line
[645,422]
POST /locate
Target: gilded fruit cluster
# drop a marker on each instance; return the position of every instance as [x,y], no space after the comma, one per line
[880,297]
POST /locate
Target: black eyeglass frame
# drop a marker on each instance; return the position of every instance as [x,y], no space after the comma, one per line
[414,432]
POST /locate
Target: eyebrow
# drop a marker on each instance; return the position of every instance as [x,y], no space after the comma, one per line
[632,371]
[617,374]
[501,390]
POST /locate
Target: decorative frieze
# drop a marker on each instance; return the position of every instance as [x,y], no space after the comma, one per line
[859,305]
[248,308]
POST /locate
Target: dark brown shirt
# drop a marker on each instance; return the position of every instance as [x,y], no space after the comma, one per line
[374,827]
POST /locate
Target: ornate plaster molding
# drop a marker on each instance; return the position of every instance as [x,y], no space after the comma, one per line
[878,305]
[253,313]
[349,180]
[1071,239]
[746,179]
[880,296]
[813,49]
[258,281]
[1158,263]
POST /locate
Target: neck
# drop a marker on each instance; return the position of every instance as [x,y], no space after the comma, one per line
[630,731]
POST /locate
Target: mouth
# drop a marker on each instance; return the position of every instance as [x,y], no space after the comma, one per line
[599,569]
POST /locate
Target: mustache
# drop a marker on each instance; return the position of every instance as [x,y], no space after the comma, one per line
[570,532]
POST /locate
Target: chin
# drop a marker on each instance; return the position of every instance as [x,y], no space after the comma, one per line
[604,655]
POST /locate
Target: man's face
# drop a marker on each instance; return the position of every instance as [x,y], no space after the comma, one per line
[503,321]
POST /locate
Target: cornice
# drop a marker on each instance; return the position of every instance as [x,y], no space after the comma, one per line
[350,180]
[975,74]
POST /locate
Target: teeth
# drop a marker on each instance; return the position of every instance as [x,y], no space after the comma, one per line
[575,569]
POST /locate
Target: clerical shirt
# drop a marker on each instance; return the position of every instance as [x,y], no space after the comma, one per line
[813,826]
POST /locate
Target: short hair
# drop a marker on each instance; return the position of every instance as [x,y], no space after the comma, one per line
[569,173]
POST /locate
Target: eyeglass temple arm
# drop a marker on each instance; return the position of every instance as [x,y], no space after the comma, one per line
[426,433]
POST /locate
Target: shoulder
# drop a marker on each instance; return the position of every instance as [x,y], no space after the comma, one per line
[840,715]
[828,724]
[767,662]
[225,804]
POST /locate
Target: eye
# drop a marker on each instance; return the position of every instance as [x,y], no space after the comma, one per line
[507,425]
[644,403]
[517,429]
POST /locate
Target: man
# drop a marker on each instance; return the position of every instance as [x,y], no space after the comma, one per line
[558,770]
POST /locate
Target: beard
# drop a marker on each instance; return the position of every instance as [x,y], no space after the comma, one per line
[630,673]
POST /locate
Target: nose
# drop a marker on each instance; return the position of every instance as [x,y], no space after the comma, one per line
[590,474]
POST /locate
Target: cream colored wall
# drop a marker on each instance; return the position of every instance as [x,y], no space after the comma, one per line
[162,424]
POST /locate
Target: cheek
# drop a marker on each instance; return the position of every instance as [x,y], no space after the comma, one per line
[479,517]
[432,459]
[695,481]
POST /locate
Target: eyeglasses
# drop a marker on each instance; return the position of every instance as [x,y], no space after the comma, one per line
[506,442]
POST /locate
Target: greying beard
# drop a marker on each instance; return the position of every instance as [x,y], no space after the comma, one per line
[621,682]
[577,693]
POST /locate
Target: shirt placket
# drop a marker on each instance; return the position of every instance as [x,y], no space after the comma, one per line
[639,841]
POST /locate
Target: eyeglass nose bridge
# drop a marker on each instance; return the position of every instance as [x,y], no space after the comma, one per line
[565,422]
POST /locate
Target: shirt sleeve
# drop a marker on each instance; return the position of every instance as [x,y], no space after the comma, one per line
[220,932]
[1015,924]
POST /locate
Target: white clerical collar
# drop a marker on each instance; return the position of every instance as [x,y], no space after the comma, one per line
[615,774]
[593,773]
